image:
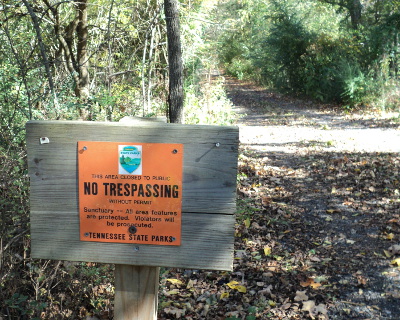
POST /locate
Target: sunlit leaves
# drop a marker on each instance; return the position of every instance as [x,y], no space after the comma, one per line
[396,262]
[310,283]
[224,295]
[267,250]
[175,281]
[313,48]
[236,286]
[247,222]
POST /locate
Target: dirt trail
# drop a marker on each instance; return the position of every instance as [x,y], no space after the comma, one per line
[339,173]
[269,121]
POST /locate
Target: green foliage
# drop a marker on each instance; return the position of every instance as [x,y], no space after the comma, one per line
[234,49]
[208,104]
[240,68]
[20,304]
[354,85]
[289,41]
[332,73]
[205,97]
[312,48]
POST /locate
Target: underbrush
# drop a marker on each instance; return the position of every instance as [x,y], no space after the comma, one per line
[388,98]
[33,288]
[208,104]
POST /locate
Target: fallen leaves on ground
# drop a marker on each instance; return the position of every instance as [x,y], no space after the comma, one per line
[316,235]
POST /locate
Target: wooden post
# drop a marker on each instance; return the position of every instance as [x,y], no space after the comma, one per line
[136,290]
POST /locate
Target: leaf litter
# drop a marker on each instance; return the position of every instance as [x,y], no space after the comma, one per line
[317,237]
[301,251]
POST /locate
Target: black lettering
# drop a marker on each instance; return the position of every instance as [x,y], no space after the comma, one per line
[134,189]
[175,192]
[86,188]
[90,188]
[167,191]
[156,193]
[119,189]
[106,184]
[141,191]
[148,190]
[112,189]
[127,191]
[162,238]
[138,190]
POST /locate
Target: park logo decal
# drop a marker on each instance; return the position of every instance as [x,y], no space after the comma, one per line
[130,160]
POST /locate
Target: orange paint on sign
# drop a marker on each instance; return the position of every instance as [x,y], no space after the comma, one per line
[130,192]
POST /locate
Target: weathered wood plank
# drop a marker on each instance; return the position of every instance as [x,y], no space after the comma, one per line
[209,171]
[207,243]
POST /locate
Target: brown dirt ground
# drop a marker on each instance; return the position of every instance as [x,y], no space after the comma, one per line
[334,176]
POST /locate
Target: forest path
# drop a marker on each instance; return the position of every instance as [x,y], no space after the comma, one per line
[270,121]
[324,192]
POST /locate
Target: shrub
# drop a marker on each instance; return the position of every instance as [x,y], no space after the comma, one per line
[208,104]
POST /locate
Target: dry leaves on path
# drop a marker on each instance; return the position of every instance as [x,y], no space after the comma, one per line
[301,250]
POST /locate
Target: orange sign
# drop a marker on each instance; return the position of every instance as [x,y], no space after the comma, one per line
[130,192]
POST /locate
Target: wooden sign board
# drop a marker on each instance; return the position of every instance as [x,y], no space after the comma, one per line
[207,192]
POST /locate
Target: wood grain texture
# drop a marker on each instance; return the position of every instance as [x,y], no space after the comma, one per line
[207,243]
[209,179]
[136,290]
[208,204]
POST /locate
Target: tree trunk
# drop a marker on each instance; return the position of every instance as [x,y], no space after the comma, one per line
[82,87]
[43,53]
[355,9]
[175,97]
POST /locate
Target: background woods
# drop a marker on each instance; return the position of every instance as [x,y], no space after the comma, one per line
[108,58]
[343,51]
[94,56]
[101,60]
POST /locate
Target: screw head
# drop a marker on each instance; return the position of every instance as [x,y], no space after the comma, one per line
[132,229]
